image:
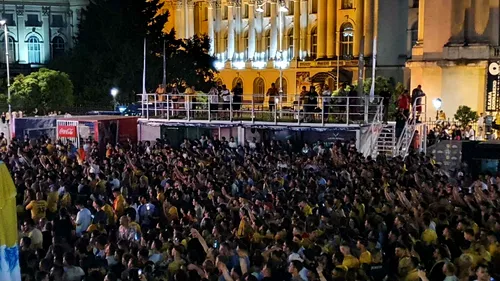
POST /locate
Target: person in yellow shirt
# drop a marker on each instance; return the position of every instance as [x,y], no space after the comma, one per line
[365,256]
[52,200]
[38,207]
[350,261]
[118,203]
[305,208]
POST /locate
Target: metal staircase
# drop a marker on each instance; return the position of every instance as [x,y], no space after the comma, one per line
[386,141]
[405,141]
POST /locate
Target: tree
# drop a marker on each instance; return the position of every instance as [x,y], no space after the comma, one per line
[108,51]
[465,115]
[45,90]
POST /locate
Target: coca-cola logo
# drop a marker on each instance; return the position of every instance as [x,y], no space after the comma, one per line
[66,131]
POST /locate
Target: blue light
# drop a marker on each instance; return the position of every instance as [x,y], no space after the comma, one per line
[122,108]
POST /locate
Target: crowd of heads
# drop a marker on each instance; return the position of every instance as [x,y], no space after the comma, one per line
[211,209]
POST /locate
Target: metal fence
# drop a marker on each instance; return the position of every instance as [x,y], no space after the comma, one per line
[201,107]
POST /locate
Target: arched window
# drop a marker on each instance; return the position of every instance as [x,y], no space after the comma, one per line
[12,49]
[236,81]
[290,44]
[314,43]
[57,46]
[258,90]
[267,41]
[284,86]
[414,34]
[346,40]
[34,47]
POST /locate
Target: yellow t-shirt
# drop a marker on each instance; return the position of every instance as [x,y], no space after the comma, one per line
[66,200]
[429,236]
[108,210]
[365,258]
[412,276]
[350,261]
[38,209]
[173,214]
[307,210]
[52,201]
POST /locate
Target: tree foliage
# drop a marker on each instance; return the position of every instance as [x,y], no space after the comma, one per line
[109,51]
[44,90]
[465,115]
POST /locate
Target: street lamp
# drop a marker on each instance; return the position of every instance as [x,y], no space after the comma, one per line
[5,32]
[114,93]
[437,103]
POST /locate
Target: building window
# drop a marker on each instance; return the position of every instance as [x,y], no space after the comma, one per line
[291,8]
[9,19]
[34,50]
[314,6]
[414,34]
[415,4]
[33,21]
[236,81]
[290,44]
[12,50]
[284,87]
[258,90]
[57,46]
[57,21]
[267,10]
[245,11]
[346,40]
[347,4]
[267,41]
[314,43]
[225,13]
[245,45]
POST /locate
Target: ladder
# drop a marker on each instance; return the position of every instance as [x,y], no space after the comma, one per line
[387,140]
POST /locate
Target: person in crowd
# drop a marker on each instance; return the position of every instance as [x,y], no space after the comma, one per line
[215,209]
[326,97]
[386,100]
[237,99]
[226,99]
[403,103]
[272,93]
[416,101]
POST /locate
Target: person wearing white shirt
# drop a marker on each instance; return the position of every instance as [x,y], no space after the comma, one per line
[83,219]
[469,133]
[326,96]
[232,143]
[481,127]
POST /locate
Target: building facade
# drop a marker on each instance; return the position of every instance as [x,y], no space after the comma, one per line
[310,42]
[38,30]
[456,57]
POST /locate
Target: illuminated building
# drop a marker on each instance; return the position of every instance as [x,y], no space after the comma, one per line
[314,41]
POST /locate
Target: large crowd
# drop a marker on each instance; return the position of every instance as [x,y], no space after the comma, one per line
[214,210]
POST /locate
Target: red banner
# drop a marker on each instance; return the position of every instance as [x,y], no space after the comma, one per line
[66,131]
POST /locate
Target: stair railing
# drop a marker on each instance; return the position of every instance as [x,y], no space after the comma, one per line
[376,129]
[406,138]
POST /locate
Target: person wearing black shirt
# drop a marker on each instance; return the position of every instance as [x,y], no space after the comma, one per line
[237,98]
[311,101]
[386,95]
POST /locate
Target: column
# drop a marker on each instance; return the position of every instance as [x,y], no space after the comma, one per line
[303,28]
[296,29]
[179,22]
[218,29]
[251,30]
[71,28]
[368,26]
[358,27]
[259,34]
[46,51]
[238,30]
[190,19]
[274,30]
[421,22]
[210,23]
[22,54]
[230,31]
[330,27]
[322,14]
